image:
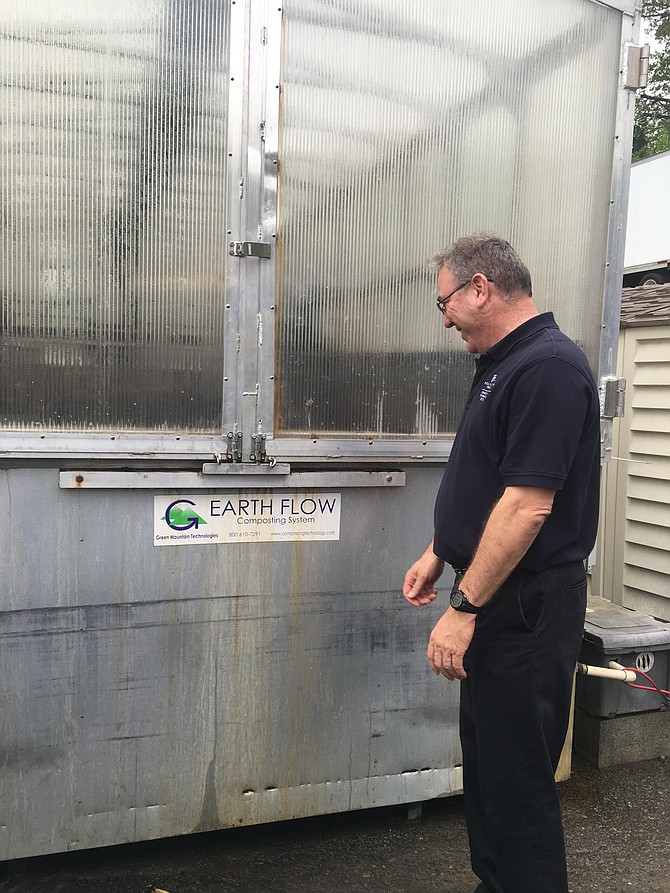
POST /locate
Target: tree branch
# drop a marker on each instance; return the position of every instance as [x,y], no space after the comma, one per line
[665,99]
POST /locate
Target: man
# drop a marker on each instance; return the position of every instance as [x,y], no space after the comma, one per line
[515,516]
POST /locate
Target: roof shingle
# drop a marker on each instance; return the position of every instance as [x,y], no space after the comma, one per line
[646,305]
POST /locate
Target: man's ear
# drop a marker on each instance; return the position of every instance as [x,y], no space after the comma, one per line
[483,287]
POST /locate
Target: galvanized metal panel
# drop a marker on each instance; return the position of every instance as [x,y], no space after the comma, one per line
[151,692]
[616,233]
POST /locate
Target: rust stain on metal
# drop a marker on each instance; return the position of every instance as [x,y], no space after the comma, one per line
[79,480]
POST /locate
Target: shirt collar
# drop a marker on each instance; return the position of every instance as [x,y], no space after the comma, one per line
[531,327]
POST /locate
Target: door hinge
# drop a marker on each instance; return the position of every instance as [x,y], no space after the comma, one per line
[612,397]
[233,447]
[250,249]
[637,73]
[258,453]
[233,461]
[234,442]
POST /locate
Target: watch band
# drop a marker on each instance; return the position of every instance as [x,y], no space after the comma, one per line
[459,602]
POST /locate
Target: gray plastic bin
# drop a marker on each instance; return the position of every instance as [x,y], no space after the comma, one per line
[633,639]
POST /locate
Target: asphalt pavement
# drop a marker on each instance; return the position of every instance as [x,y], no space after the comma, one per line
[617,826]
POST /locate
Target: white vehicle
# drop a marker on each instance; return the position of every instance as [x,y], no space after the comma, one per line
[648,232]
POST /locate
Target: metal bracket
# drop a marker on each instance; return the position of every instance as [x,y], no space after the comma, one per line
[637,73]
[612,397]
[234,453]
[251,470]
[258,453]
[250,249]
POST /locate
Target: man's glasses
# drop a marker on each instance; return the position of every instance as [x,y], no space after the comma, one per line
[441,303]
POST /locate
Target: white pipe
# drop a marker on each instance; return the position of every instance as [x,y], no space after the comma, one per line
[614,671]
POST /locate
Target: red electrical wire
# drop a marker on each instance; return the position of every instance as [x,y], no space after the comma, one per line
[653,687]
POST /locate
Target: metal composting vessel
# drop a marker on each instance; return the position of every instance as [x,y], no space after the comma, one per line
[226,396]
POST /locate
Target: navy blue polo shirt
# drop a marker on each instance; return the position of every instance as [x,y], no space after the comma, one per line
[532,418]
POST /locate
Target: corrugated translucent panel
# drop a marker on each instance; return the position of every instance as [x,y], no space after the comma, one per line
[406,125]
[113,121]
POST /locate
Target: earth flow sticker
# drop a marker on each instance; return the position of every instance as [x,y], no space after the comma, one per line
[222,518]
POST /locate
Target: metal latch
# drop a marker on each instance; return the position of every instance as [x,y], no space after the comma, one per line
[637,74]
[251,249]
[612,397]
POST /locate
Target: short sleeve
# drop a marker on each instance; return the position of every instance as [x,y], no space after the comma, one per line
[544,422]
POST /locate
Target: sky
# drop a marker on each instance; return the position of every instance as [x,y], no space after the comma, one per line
[648,36]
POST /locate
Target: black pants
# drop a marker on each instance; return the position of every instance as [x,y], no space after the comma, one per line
[515,708]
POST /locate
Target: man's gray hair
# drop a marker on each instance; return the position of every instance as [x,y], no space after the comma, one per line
[487,254]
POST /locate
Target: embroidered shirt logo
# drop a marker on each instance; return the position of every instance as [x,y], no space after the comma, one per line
[488,387]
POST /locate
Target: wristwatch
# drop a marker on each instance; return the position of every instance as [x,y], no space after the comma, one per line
[459,602]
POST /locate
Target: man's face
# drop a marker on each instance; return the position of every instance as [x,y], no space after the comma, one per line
[460,310]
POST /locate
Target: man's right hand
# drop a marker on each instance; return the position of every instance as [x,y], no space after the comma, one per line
[419,588]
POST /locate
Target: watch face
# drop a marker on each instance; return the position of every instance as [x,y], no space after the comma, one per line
[456,598]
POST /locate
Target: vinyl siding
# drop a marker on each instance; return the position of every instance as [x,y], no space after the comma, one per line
[642,497]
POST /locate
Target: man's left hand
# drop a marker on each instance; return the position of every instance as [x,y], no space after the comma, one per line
[449,641]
